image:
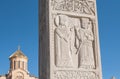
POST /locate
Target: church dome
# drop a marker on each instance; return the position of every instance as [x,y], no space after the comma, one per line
[18,54]
[18,61]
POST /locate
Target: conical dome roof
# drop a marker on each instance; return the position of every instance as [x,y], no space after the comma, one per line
[19,54]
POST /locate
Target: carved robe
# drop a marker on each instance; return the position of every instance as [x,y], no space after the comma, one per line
[86,49]
[62,46]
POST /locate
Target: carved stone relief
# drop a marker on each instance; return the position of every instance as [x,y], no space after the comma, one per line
[74,42]
[70,30]
[76,6]
[62,42]
[85,35]
[75,75]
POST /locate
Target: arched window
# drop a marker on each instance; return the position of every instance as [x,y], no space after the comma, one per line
[14,64]
[18,64]
[10,64]
[23,65]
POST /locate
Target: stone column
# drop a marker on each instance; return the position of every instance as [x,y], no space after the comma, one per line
[68,40]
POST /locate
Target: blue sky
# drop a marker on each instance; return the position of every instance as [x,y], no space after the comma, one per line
[109,31]
[19,26]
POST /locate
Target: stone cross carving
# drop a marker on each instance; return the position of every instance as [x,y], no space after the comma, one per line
[69,44]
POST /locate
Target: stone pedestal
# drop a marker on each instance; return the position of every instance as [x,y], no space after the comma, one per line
[69,43]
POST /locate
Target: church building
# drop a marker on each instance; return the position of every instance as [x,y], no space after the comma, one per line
[18,67]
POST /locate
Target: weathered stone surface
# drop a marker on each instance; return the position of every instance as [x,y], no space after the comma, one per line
[69,43]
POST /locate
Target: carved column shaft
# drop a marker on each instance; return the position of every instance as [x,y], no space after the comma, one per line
[68,40]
